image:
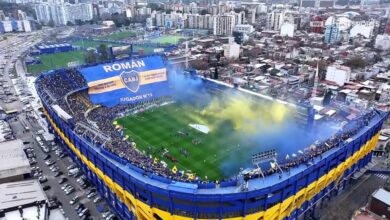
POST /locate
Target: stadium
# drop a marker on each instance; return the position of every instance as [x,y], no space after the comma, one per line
[160,143]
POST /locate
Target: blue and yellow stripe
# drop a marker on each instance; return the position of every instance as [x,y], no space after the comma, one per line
[278,211]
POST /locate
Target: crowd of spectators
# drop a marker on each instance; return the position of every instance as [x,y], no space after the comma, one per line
[317,149]
[68,89]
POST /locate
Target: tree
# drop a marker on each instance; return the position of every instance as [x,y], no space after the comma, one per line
[216,73]
[204,12]
[9,8]
[155,7]
[103,53]
[200,65]
[356,62]
[322,67]
[126,22]
[51,23]
[118,19]
[273,72]
[79,22]
[90,57]
[254,52]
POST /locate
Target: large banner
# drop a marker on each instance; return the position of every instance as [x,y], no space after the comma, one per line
[127,81]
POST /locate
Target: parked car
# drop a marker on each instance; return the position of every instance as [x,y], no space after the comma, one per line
[83,212]
[65,186]
[91,195]
[50,162]
[74,200]
[91,191]
[79,206]
[34,168]
[110,217]
[55,169]
[62,180]
[68,187]
[105,214]
[45,149]
[85,185]
[47,156]
[58,173]
[72,166]
[46,187]
[97,199]
[42,179]
[37,173]
[69,191]
[73,172]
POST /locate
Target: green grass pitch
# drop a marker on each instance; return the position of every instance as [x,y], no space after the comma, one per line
[156,129]
[167,39]
[55,61]
[119,35]
[90,43]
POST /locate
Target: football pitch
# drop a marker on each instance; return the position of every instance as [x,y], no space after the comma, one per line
[120,35]
[56,61]
[165,132]
[167,39]
[90,43]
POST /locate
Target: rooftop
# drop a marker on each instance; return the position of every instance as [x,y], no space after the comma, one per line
[382,195]
[21,193]
[13,159]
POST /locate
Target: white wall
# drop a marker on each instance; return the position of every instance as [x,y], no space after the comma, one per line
[231,51]
[338,74]
[26,26]
[7,26]
[287,29]
[365,30]
[382,42]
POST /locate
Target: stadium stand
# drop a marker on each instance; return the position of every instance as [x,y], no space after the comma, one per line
[138,188]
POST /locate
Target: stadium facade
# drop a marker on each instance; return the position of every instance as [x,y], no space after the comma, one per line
[136,194]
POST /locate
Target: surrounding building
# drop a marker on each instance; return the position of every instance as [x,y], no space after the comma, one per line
[15,165]
[287,29]
[380,203]
[18,22]
[231,50]
[23,200]
[338,74]
[244,28]
[343,23]
[197,21]
[275,20]
[332,34]
[317,24]
[61,14]
[382,42]
[80,11]
[224,25]
[365,30]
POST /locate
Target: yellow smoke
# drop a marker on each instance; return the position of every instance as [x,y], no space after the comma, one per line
[245,115]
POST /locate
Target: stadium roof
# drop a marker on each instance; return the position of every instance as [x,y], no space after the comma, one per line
[13,159]
[20,193]
[53,46]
